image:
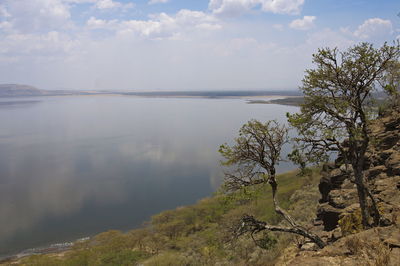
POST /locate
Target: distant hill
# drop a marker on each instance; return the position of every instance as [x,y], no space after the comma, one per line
[12,90]
[17,90]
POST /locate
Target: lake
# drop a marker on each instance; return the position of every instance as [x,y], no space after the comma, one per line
[71,167]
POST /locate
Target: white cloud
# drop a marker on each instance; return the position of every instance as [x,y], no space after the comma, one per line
[104,4]
[37,15]
[238,7]
[94,23]
[282,6]
[374,28]
[159,25]
[232,7]
[151,2]
[3,12]
[49,44]
[306,23]
[110,4]
[80,1]
[40,43]
[47,15]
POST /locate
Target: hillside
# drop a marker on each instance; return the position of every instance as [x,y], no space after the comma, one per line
[200,234]
[13,90]
[338,216]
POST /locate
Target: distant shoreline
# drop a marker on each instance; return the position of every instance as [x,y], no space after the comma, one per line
[287,100]
[16,90]
[292,98]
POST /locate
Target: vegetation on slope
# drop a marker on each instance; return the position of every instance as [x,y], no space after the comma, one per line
[200,234]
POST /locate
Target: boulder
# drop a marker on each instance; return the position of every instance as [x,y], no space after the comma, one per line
[388,139]
[386,154]
[373,172]
[346,168]
[341,198]
[329,215]
[393,164]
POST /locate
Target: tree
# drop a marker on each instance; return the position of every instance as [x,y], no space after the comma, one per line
[390,82]
[337,107]
[254,155]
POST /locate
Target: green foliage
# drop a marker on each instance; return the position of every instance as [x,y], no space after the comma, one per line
[338,107]
[267,241]
[257,143]
[338,99]
[351,223]
[41,260]
[254,155]
[120,257]
[195,235]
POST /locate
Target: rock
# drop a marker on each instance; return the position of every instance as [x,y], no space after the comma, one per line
[327,167]
[329,215]
[309,246]
[373,172]
[341,198]
[392,124]
[393,164]
[336,234]
[348,184]
[336,178]
[386,154]
[346,168]
[350,209]
[381,176]
[318,222]
[388,139]
[336,200]
[324,187]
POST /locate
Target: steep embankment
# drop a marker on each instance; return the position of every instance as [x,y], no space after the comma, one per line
[338,217]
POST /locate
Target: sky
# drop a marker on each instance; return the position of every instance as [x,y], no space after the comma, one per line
[180,44]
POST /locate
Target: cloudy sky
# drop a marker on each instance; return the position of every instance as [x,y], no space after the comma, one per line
[180,44]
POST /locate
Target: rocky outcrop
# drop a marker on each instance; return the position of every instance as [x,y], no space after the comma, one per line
[338,219]
[338,192]
[378,246]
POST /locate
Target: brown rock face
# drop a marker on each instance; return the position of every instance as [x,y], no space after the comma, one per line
[378,246]
[382,173]
[338,213]
[339,201]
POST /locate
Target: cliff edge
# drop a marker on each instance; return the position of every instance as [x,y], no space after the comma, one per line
[338,219]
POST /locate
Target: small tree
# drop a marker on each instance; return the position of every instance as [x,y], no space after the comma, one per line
[337,107]
[254,155]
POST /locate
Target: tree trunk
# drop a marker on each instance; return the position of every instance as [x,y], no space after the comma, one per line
[279,210]
[298,231]
[377,215]
[361,189]
[258,226]
[295,229]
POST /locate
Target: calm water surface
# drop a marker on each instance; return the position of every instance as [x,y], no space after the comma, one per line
[72,167]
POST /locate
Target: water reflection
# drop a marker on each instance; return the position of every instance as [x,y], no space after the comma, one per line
[72,167]
[17,104]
